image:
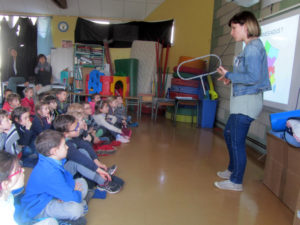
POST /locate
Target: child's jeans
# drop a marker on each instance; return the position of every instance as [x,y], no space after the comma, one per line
[66,210]
[74,167]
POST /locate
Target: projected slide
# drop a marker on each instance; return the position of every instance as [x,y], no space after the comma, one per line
[279,39]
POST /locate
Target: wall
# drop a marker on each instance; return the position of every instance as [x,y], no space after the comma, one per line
[57,35]
[193,22]
[223,11]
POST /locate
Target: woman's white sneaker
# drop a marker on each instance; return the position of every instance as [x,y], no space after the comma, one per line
[224,174]
[228,185]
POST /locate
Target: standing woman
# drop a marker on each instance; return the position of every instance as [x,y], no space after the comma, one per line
[249,80]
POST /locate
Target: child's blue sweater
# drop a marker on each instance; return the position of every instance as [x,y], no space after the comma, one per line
[48,180]
[39,125]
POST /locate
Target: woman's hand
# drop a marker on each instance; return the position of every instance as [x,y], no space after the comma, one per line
[223,72]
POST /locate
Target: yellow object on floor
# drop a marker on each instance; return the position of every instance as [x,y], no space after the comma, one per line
[182,118]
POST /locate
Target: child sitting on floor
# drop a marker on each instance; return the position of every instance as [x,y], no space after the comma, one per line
[13,101]
[95,98]
[62,105]
[121,114]
[93,128]
[28,100]
[51,101]
[113,119]
[8,135]
[6,93]
[12,178]
[101,111]
[51,190]
[21,118]
[81,156]
[42,120]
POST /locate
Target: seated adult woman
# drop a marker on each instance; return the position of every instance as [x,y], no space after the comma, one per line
[43,74]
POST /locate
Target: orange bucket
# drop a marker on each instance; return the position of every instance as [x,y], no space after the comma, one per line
[198,64]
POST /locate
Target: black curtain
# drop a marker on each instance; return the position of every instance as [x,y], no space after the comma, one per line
[8,40]
[27,41]
[122,35]
[25,44]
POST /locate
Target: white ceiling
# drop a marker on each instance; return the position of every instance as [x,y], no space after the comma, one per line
[119,9]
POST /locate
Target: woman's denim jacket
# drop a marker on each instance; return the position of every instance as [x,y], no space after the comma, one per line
[250,72]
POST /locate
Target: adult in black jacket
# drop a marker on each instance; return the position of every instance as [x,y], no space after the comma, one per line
[15,71]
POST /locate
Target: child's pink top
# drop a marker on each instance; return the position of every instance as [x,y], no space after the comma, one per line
[28,103]
[92,104]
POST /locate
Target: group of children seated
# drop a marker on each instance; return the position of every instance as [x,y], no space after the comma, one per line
[62,143]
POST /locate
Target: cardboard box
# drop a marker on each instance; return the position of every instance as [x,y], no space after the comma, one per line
[276,164]
[291,189]
[282,170]
[297,211]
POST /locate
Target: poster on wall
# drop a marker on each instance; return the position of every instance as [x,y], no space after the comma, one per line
[279,39]
[66,44]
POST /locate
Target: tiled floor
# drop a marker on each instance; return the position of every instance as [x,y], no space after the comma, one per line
[169,173]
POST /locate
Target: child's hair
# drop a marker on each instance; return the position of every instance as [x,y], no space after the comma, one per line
[110,99]
[77,115]
[18,112]
[7,90]
[94,95]
[7,165]
[62,123]
[12,96]
[49,99]
[27,89]
[75,107]
[85,103]
[47,140]
[3,114]
[99,105]
[59,91]
[39,106]
[42,96]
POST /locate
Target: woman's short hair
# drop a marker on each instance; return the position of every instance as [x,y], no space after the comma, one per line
[47,140]
[247,18]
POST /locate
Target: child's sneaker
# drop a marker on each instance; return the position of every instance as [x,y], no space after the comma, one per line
[111,170]
[103,152]
[110,187]
[122,139]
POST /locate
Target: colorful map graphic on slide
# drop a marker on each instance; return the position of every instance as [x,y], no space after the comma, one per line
[272,54]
